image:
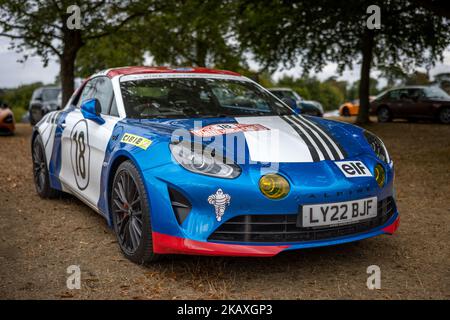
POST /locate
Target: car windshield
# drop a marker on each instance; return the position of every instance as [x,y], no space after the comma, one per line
[197,97]
[50,94]
[435,92]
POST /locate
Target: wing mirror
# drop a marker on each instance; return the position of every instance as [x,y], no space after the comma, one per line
[91,110]
[292,104]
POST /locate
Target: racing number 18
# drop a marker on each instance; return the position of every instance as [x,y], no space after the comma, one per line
[80,148]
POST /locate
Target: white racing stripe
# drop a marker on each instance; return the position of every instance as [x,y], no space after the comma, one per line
[318,136]
[281,143]
[338,150]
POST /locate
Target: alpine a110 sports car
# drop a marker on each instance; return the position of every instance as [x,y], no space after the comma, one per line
[207,162]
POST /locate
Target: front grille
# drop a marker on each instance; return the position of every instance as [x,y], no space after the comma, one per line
[283,228]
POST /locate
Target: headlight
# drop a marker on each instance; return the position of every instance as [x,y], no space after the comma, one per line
[377,146]
[380,175]
[274,186]
[8,119]
[197,159]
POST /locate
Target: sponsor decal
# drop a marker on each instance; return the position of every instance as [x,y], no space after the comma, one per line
[353,169]
[220,201]
[226,128]
[137,141]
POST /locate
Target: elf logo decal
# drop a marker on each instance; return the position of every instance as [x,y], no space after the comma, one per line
[226,128]
[80,153]
[353,169]
[137,141]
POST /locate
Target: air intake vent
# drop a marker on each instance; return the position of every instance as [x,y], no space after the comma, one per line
[180,205]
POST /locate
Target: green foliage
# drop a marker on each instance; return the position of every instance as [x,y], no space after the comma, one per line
[353,90]
[317,32]
[117,50]
[19,98]
[193,33]
[417,78]
[329,93]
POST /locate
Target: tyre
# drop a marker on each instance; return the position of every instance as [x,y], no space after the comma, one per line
[131,215]
[346,112]
[384,115]
[444,115]
[40,171]
[32,121]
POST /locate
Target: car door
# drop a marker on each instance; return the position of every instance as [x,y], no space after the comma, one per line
[84,142]
[418,104]
[393,101]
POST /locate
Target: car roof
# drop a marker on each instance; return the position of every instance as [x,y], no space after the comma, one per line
[410,87]
[146,70]
[279,89]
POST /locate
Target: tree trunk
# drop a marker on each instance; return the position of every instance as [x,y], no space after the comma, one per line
[364,83]
[67,75]
[72,43]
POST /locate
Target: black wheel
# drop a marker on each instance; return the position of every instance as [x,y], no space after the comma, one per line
[345,112]
[444,115]
[40,171]
[131,215]
[384,115]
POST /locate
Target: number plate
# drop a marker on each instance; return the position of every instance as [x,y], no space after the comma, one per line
[333,214]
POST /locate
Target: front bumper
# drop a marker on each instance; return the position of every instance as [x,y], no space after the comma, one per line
[166,244]
[310,183]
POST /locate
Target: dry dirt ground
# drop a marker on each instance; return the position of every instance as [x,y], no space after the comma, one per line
[39,239]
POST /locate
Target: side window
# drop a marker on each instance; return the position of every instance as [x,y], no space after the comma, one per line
[404,95]
[416,93]
[37,93]
[104,93]
[87,93]
[394,95]
[114,111]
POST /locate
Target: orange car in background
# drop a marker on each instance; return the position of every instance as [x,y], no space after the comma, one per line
[7,122]
[349,109]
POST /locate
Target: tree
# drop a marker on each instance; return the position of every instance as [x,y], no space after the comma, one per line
[42,27]
[194,33]
[110,52]
[318,32]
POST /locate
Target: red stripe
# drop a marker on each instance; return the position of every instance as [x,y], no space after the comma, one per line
[165,244]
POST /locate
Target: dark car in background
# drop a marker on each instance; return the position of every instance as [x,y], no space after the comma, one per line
[412,102]
[313,108]
[43,100]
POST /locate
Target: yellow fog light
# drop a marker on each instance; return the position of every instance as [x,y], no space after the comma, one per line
[274,186]
[380,175]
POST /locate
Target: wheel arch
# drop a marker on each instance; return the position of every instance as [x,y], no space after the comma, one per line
[34,134]
[444,106]
[116,162]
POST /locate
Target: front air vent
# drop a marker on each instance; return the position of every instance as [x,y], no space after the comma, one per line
[180,205]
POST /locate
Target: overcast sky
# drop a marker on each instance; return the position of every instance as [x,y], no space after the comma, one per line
[13,73]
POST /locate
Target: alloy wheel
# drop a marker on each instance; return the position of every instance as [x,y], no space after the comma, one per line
[127,211]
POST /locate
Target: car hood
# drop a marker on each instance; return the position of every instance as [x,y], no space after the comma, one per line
[282,139]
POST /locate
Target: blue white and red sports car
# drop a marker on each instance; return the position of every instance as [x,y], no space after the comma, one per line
[201,161]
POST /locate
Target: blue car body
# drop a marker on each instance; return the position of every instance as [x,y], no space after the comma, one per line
[199,231]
